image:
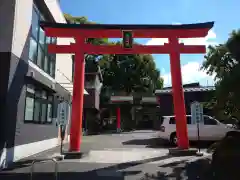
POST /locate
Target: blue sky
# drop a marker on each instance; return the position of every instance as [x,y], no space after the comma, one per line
[223,12]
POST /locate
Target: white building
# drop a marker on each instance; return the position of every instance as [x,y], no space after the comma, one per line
[31,80]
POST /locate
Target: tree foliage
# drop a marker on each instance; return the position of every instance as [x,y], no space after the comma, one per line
[130,73]
[222,61]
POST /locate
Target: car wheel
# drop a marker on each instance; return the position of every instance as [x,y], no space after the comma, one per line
[173,139]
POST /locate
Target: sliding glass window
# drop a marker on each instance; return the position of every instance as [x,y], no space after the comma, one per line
[38,53]
[38,106]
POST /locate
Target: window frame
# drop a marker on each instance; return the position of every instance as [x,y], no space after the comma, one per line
[42,101]
[30,95]
[37,121]
[43,47]
[34,60]
[41,66]
[47,120]
[37,12]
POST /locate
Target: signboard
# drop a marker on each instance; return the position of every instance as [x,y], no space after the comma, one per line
[63,113]
[127,39]
[196,112]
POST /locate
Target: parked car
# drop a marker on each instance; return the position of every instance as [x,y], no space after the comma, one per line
[209,130]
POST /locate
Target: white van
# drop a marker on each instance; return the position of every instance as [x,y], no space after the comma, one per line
[209,130]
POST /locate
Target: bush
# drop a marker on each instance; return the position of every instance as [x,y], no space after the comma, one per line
[226,157]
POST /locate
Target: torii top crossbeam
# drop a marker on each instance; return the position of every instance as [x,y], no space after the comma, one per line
[112,30]
[172,32]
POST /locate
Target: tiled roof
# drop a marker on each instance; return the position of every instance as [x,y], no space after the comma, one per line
[195,89]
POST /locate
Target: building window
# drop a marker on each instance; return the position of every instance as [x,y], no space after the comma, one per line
[35,23]
[52,63]
[29,108]
[40,57]
[46,64]
[37,110]
[39,106]
[42,37]
[49,112]
[38,45]
[44,112]
[33,50]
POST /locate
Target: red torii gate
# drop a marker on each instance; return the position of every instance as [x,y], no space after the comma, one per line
[80,32]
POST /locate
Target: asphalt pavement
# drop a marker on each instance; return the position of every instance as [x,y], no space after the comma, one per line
[129,155]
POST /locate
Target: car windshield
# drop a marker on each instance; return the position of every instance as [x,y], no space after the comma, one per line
[208,120]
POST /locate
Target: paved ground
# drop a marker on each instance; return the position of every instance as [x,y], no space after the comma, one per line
[132,155]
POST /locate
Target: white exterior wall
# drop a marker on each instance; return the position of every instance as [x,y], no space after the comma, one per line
[21,30]
[63,74]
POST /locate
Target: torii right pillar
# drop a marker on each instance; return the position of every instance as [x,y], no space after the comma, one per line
[178,94]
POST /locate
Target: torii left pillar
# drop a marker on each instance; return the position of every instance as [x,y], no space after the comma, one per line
[78,95]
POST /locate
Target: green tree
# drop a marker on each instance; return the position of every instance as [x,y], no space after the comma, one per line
[130,73]
[223,62]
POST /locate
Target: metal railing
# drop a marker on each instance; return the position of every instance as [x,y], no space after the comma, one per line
[45,160]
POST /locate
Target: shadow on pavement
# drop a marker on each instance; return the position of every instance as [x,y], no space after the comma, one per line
[110,172]
[159,143]
[150,142]
[182,170]
[61,176]
[69,175]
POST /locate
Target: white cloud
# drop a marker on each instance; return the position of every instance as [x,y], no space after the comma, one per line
[208,40]
[191,73]
[157,41]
